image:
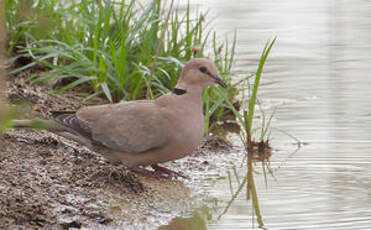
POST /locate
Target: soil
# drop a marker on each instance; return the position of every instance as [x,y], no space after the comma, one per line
[48,182]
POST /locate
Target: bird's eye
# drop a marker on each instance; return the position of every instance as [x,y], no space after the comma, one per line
[203,69]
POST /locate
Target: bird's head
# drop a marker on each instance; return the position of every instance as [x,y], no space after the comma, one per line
[200,72]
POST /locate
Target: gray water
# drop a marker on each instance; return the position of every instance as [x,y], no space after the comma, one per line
[318,77]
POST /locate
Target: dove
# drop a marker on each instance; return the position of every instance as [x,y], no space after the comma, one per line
[143,132]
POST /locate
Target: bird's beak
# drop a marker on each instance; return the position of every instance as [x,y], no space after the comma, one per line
[219,81]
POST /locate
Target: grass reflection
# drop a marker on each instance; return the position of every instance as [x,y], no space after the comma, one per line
[255,150]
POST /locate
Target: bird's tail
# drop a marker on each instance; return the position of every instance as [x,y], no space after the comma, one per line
[38,124]
[51,126]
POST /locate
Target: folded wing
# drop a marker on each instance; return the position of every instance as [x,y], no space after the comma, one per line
[132,127]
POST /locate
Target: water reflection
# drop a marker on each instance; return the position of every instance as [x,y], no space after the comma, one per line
[318,75]
[198,221]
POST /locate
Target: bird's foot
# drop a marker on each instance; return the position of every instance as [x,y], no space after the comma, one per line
[142,171]
[159,172]
[168,172]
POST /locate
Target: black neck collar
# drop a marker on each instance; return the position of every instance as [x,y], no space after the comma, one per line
[178,91]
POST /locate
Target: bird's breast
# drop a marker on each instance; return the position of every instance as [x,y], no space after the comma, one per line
[188,132]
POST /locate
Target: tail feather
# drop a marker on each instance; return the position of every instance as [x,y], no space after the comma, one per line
[70,120]
[56,114]
[65,124]
[51,126]
[37,123]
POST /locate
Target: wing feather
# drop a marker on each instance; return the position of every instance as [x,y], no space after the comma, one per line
[130,127]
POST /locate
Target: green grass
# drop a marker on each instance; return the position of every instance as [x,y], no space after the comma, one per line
[110,45]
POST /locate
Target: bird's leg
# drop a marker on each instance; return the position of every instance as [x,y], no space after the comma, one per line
[145,172]
[168,172]
[140,170]
[160,172]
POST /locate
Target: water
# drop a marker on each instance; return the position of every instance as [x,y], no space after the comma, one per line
[318,74]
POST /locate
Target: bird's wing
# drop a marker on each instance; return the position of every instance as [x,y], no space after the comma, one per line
[129,127]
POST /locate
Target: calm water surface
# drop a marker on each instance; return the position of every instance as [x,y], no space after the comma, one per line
[318,75]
